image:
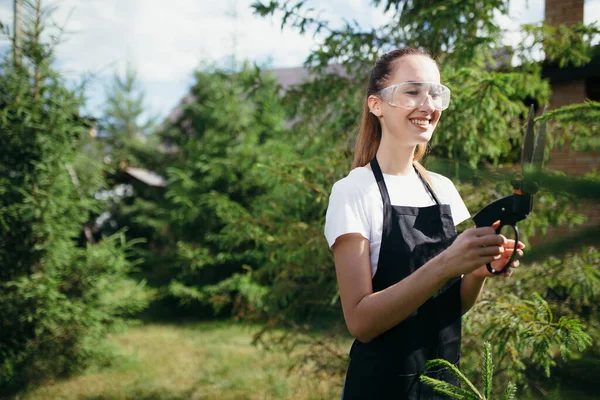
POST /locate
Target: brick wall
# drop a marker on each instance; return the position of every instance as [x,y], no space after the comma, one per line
[569,12]
[571,162]
[566,12]
[564,93]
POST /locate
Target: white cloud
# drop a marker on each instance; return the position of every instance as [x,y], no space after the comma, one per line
[167,40]
[591,11]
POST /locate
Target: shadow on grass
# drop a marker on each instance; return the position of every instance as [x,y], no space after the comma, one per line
[139,392]
[153,394]
[169,309]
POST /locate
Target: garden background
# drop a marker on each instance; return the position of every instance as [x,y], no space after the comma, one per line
[184,257]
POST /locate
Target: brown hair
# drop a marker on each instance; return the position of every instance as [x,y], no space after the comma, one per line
[369,133]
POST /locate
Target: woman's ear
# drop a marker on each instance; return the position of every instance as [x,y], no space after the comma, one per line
[374,105]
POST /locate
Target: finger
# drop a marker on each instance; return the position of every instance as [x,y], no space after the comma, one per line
[490,240]
[490,251]
[495,225]
[509,251]
[511,243]
[515,264]
[484,231]
[484,260]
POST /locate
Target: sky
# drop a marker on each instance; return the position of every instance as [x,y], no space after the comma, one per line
[167,40]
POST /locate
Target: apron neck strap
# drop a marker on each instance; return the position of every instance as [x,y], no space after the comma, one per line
[380,182]
[431,192]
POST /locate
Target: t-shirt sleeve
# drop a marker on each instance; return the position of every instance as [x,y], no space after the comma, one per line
[460,212]
[346,212]
[449,195]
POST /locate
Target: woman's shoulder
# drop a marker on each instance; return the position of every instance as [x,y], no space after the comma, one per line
[441,182]
[358,186]
[358,180]
[448,194]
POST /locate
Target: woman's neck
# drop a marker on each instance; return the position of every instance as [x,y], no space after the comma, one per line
[395,159]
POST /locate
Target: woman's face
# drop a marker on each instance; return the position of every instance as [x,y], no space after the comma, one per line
[414,125]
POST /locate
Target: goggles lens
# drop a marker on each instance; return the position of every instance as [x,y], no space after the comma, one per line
[414,94]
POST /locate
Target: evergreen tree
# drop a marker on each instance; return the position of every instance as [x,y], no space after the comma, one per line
[126,133]
[214,179]
[60,295]
[125,125]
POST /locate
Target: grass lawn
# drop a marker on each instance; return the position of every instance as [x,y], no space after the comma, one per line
[210,360]
[216,360]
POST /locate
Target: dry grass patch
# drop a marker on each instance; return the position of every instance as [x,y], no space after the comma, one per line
[192,361]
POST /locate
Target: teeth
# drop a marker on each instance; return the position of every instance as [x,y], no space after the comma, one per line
[421,122]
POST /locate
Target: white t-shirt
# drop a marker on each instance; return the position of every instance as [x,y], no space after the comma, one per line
[356,206]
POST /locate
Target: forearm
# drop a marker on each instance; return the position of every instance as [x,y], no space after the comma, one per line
[470,289]
[382,310]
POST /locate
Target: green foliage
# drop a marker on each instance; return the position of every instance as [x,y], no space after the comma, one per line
[124,125]
[126,139]
[59,295]
[562,45]
[464,31]
[469,392]
[487,370]
[477,144]
[484,120]
[579,124]
[529,327]
[561,324]
[215,180]
[240,225]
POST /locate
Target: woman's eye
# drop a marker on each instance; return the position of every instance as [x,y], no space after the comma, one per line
[412,92]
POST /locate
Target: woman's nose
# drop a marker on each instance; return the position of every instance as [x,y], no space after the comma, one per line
[428,104]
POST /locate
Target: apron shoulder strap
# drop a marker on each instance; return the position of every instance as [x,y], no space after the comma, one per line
[380,182]
[431,192]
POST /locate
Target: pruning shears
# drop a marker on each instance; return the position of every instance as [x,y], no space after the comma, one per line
[516,207]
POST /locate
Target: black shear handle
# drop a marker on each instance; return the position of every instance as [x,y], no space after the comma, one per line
[512,257]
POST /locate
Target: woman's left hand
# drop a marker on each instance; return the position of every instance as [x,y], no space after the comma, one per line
[508,248]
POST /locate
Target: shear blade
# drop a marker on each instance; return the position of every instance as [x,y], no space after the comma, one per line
[540,144]
[529,141]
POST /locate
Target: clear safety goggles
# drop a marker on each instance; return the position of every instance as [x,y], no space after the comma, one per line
[415,94]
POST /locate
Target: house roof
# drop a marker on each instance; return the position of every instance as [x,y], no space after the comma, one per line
[148,177]
[286,77]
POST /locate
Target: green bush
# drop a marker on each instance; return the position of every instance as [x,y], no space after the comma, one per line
[60,295]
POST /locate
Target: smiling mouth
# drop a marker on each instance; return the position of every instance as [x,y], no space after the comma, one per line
[420,122]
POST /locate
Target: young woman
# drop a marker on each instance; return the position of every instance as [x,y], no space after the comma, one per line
[405,277]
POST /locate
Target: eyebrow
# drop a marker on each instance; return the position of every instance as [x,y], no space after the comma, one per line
[420,83]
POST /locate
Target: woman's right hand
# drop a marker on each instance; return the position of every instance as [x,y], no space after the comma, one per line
[472,249]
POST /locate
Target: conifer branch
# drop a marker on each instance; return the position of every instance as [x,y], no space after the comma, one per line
[487,371]
[510,392]
[453,370]
[448,389]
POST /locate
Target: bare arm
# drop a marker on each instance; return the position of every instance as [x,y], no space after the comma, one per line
[369,314]
[470,289]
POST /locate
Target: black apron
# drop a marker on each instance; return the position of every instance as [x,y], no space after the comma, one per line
[388,367]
